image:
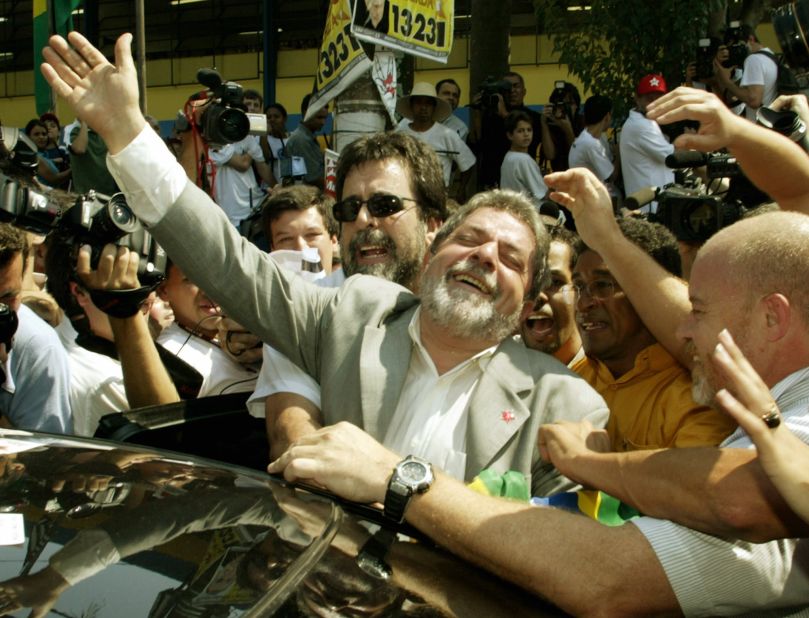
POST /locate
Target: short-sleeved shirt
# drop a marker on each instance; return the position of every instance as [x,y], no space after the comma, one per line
[89,169]
[35,395]
[519,172]
[651,405]
[644,149]
[592,153]
[446,143]
[237,192]
[302,143]
[760,70]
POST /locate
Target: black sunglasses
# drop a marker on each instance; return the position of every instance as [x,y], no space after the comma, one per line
[379,205]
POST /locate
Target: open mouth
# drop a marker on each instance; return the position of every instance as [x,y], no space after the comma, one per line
[540,325]
[371,254]
[478,285]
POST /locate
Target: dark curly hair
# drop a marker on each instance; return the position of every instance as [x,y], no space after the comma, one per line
[419,159]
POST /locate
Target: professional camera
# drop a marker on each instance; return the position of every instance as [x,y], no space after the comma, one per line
[489,91]
[736,44]
[92,218]
[559,104]
[693,215]
[223,120]
[791,22]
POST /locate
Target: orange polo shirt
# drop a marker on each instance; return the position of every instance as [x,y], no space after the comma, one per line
[651,405]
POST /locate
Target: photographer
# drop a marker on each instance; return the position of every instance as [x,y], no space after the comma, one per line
[702,74]
[114,364]
[758,86]
[490,108]
[561,124]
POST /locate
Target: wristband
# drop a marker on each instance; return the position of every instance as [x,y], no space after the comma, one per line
[121,303]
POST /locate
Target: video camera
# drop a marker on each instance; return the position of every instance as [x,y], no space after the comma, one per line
[489,91]
[92,219]
[790,23]
[223,119]
[689,210]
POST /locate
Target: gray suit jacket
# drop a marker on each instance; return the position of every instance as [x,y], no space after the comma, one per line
[354,341]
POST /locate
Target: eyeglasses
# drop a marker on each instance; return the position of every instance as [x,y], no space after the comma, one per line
[599,289]
[379,205]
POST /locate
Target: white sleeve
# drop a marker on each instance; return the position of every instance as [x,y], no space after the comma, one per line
[600,161]
[220,156]
[753,74]
[281,375]
[465,158]
[149,175]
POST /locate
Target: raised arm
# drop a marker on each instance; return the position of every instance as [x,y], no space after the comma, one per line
[103,95]
[774,163]
[660,298]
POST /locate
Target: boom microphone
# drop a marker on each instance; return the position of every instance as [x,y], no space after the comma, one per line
[639,199]
[209,78]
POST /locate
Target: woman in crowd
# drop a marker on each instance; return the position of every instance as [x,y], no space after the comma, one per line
[47,171]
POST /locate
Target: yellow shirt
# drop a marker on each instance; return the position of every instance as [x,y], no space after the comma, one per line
[651,405]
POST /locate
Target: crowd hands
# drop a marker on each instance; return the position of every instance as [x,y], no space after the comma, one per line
[611,304]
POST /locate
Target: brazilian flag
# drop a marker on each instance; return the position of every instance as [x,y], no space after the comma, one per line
[50,17]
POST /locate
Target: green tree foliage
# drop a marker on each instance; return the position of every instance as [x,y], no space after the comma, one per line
[616,42]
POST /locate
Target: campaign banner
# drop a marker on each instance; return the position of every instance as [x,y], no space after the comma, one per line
[419,27]
[340,58]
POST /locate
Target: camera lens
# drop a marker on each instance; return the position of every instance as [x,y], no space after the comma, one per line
[233,124]
[121,215]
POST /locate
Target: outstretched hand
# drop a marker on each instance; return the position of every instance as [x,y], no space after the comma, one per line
[718,126]
[102,94]
[784,457]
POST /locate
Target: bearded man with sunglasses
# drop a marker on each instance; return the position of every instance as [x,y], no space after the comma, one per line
[440,372]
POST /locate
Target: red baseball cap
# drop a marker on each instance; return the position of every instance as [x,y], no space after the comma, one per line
[652,83]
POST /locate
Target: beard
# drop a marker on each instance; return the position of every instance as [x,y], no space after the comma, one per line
[464,313]
[403,264]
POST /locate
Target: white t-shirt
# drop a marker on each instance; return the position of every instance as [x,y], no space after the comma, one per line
[237,192]
[446,144]
[96,383]
[644,149]
[592,153]
[277,148]
[519,172]
[760,70]
[220,374]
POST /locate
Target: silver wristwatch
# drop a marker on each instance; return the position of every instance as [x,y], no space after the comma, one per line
[411,475]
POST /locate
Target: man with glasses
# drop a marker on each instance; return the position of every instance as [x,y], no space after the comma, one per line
[647,390]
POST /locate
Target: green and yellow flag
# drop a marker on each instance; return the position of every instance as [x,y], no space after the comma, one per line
[57,20]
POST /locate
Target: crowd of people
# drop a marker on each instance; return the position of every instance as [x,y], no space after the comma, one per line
[483,335]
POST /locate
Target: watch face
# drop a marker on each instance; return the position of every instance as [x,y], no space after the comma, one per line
[412,472]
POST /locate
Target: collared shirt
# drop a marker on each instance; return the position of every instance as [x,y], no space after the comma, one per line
[651,405]
[431,416]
